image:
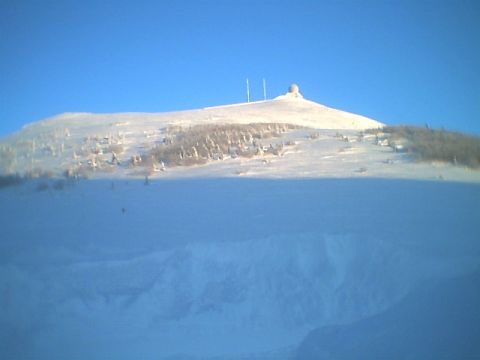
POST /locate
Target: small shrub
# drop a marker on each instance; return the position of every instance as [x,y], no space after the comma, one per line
[59,185]
[116,148]
[42,186]
[8,158]
[37,173]
[10,180]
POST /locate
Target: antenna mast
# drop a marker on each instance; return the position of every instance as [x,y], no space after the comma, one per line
[248,91]
[264,90]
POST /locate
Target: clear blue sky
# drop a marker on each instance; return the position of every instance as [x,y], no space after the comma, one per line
[395,61]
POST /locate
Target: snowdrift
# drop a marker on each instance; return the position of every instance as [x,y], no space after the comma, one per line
[229,268]
[437,320]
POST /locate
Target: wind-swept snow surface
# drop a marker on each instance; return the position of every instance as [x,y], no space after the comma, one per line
[296,111]
[226,268]
[438,320]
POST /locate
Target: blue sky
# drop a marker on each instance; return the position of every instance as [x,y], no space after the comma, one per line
[395,61]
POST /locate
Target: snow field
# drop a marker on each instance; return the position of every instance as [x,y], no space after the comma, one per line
[218,268]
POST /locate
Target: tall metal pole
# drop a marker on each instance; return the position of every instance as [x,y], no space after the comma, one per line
[248,91]
[264,90]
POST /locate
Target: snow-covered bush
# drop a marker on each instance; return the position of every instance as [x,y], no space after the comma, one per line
[201,143]
[10,180]
[8,158]
[426,144]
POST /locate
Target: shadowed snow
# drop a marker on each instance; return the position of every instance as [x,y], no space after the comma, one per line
[224,268]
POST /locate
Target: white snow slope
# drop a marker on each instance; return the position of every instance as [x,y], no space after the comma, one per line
[330,145]
[214,263]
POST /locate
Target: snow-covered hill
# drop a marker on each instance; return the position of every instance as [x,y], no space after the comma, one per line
[325,143]
[247,255]
[96,145]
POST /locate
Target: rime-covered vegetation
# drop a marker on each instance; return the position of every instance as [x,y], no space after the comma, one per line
[75,156]
[201,143]
[426,144]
